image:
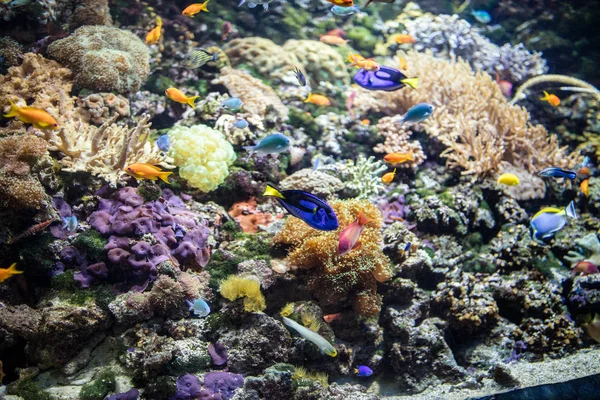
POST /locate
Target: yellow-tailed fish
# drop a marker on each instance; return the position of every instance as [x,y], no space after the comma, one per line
[195,8]
[31,115]
[6,273]
[154,35]
[311,336]
[389,177]
[178,96]
[147,171]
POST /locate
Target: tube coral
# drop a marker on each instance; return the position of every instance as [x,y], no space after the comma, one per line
[235,287]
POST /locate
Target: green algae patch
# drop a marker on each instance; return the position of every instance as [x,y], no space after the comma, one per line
[29,390]
[92,244]
[100,387]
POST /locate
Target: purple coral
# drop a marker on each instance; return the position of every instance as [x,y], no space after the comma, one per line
[392,211]
[177,234]
[131,394]
[221,385]
[188,388]
[218,353]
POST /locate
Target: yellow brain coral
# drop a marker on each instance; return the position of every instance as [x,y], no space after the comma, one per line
[202,155]
[235,287]
[334,279]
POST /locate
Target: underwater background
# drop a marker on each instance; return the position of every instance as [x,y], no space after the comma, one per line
[299,199]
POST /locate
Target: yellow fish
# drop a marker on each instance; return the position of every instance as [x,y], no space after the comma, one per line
[403,63]
[389,177]
[178,96]
[551,98]
[195,8]
[509,179]
[6,273]
[317,99]
[154,35]
[147,171]
[585,187]
[31,115]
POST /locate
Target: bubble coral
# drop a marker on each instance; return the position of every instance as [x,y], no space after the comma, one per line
[334,279]
[104,58]
[235,287]
[202,155]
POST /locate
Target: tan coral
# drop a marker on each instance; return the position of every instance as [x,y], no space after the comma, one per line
[268,59]
[396,141]
[472,118]
[321,61]
[44,82]
[235,135]
[104,151]
[97,108]
[257,97]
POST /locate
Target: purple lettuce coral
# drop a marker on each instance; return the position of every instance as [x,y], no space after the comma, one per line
[218,353]
[131,394]
[144,235]
[188,388]
[221,385]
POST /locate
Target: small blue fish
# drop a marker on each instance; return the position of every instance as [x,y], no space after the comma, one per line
[164,142]
[481,16]
[240,124]
[232,104]
[363,370]
[417,113]
[300,76]
[274,143]
[70,223]
[307,207]
[555,172]
[199,307]
[550,220]
[407,247]
[317,164]
[343,11]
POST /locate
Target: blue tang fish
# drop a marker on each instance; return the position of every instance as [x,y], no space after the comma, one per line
[240,124]
[307,207]
[550,220]
[555,172]
[481,16]
[343,11]
[70,223]
[417,113]
[387,78]
[164,142]
[199,307]
[274,143]
[232,104]
[300,76]
[363,370]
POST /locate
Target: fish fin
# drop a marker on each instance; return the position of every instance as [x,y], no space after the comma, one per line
[164,176]
[251,5]
[570,210]
[363,219]
[154,167]
[308,98]
[266,6]
[355,371]
[191,100]
[412,82]
[159,21]
[271,191]
[13,269]
[546,96]
[357,245]
[249,149]
[14,110]
[241,3]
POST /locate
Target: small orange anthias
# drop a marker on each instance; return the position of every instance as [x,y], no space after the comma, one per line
[342,3]
[154,35]
[329,318]
[317,99]
[398,158]
[31,115]
[179,97]
[147,171]
[551,98]
[6,273]
[195,8]
[349,236]
[404,38]
[585,267]
[333,40]
[389,177]
[585,187]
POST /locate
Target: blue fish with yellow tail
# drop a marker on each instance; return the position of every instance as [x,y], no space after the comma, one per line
[555,172]
[307,207]
[550,220]
[363,370]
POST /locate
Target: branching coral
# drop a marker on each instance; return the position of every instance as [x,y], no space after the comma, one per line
[104,58]
[472,119]
[334,279]
[202,155]
[106,150]
[235,287]
[258,98]
[396,141]
[362,176]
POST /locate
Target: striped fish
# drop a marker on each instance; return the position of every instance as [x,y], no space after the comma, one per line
[199,57]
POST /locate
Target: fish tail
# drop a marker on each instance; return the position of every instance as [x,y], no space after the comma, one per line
[204,8]
[14,110]
[309,98]
[363,219]
[546,96]
[159,21]
[570,210]
[191,101]
[241,3]
[164,176]
[13,269]
[412,82]
[271,191]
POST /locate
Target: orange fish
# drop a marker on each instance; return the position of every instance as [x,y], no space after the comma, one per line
[551,98]
[317,99]
[398,158]
[354,57]
[342,3]
[147,171]
[585,187]
[389,177]
[333,40]
[368,64]
[31,115]
[329,318]
[403,64]
[365,122]
[336,32]
[404,38]
[154,35]
[6,273]
[585,267]
[178,96]
[349,236]
[585,171]
[195,8]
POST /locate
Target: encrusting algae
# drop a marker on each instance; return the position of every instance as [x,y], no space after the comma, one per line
[235,287]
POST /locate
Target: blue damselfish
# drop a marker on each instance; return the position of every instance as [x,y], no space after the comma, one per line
[555,172]
[363,370]
[306,206]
